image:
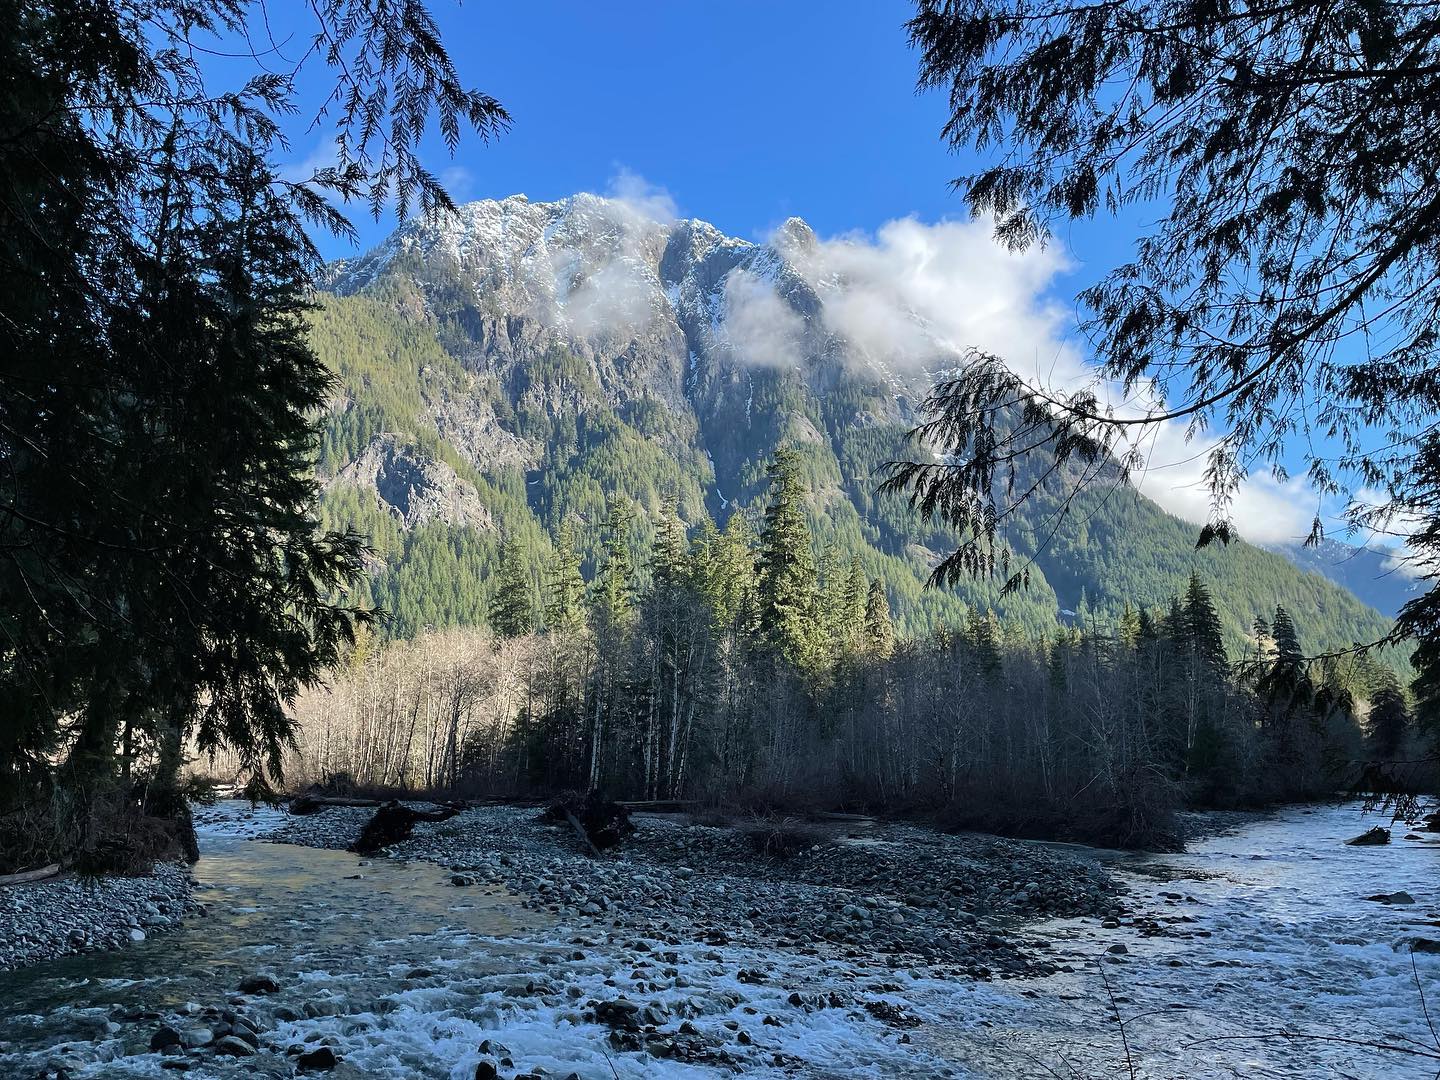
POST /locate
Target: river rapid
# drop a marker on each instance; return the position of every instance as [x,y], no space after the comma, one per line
[1248,955]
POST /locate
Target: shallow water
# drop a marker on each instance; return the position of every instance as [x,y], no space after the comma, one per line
[1266,930]
[351,928]
[1281,940]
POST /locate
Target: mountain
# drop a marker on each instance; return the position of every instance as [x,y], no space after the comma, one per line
[1372,575]
[520,362]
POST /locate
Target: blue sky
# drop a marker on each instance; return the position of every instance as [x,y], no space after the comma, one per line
[745,114]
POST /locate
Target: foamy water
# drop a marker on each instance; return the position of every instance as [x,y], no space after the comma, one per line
[409,976]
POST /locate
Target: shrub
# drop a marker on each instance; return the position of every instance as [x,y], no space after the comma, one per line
[781,837]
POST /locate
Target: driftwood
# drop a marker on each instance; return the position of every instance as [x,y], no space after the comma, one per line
[599,822]
[659,806]
[30,875]
[393,822]
[580,832]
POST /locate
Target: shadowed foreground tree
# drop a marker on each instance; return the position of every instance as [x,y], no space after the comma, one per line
[161,571]
[1283,302]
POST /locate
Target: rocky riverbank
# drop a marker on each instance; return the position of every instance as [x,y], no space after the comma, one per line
[43,920]
[956,905]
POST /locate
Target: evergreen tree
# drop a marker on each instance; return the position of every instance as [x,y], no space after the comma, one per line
[879,634]
[564,585]
[856,601]
[1246,276]
[165,578]
[1286,685]
[512,609]
[785,567]
[982,636]
[728,577]
[669,563]
[615,585]
[1200,630]
[1128,630]
[1389,722]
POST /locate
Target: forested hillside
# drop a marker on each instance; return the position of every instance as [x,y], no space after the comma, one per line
[513,369]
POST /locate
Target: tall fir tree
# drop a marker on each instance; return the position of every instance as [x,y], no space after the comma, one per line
[564,584]
[1201,631]
[1389,724]
[785,567]
[512,607]
[615,584]
[879,632]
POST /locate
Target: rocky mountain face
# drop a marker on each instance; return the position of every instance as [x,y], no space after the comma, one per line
[522,362]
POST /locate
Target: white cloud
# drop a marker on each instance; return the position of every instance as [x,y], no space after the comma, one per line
[761,327]
[645,200]
[458,181]
[1265,510]
[613,290]
[914,294]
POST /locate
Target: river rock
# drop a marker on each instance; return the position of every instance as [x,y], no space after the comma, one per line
[163,1037]
[231,1046]
[321,1059]
[259,984]
[1401,897]
[619,1014]
[1378,835]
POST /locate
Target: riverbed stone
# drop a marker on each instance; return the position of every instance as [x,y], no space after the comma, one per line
[165,1036]
[233,1046]
[321,1059]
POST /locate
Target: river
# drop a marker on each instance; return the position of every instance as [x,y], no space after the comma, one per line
[1257,930]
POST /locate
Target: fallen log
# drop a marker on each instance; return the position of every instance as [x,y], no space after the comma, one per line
[313,804]
[30,875]
[659,806]
[393,823]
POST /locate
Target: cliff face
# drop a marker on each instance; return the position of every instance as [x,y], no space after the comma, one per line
[520,362]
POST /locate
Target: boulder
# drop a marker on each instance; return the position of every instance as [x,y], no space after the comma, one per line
[1401,897]
[258,984]
[321,1059]
[1378,835]
[163,1037]
[230,1046]
[620,1014]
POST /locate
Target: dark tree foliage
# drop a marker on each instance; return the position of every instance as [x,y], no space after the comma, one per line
[1285,296]
[161,572]
[512,608]
[1389,722]
[785,566]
